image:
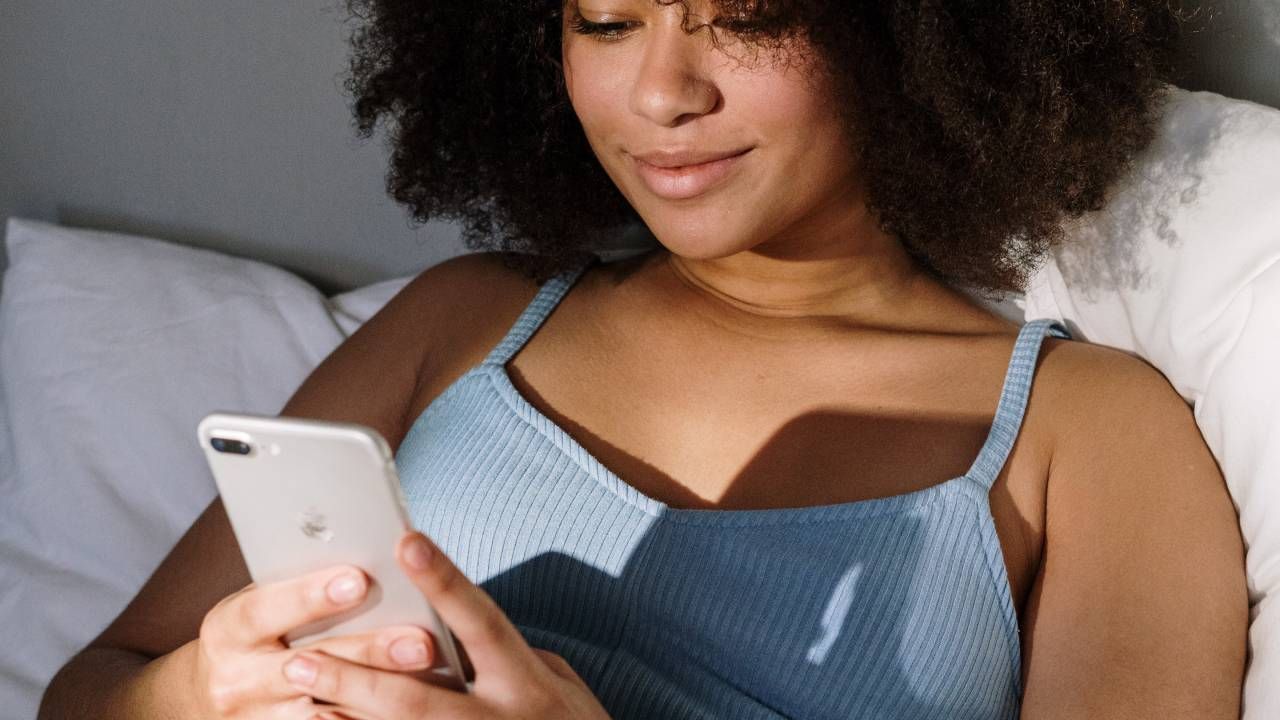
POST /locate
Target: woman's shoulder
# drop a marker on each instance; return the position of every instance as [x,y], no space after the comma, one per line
[1109,429]
[455,278]
[1087,383]
[1109,405]
[1141,597]
[469,299]
[462,308]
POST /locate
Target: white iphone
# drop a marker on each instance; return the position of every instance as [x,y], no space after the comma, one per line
[303,495]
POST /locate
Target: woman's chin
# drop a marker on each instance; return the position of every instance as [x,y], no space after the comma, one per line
[700,242]
[693,249]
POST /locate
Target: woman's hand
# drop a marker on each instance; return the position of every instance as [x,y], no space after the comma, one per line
[512,679]
[239,655]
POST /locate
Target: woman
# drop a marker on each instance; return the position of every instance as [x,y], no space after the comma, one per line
[777,465]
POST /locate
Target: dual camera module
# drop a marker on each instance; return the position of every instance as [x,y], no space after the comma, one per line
[226,445]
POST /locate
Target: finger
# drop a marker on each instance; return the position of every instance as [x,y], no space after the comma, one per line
[473,617]
[257,682]
[557,665]
[362,691]
[405,647]
[334,715]
[261,615]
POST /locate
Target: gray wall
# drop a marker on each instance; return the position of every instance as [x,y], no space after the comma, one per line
[1233,48]
[224,125]
[220,124]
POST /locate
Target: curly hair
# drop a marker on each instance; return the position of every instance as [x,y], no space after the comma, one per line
[980,125]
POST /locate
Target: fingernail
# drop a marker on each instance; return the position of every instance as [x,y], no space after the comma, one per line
[409,651]
[300,670]
[345,588]
[418,554]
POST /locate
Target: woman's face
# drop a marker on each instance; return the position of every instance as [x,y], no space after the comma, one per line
[653,88]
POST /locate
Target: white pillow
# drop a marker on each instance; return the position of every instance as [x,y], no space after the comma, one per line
[112,348]
[1181,269]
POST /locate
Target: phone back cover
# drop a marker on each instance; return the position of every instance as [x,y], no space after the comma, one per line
[311,495]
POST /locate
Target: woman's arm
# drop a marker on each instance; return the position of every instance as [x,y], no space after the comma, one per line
[1140,608]
[139,666]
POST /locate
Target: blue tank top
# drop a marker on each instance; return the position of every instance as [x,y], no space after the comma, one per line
[894,607]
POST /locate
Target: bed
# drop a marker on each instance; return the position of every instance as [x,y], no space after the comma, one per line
[117,334]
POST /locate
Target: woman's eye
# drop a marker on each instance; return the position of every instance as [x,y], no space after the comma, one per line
[615,30]
[603,31]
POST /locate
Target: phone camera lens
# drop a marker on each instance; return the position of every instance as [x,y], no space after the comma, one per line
[224,445]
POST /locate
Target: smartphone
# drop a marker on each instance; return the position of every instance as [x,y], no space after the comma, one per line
[303,495]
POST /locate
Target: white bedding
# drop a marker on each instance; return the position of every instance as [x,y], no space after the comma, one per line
[112,348]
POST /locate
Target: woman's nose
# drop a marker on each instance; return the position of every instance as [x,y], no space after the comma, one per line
[671,86]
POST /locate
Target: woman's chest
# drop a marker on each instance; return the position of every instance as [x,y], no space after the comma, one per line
[757,434]
[817,612]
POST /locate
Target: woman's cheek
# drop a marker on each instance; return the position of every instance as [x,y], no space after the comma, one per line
[593,102]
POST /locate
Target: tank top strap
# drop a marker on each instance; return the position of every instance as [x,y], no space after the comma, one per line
[548,296]
[1013,399]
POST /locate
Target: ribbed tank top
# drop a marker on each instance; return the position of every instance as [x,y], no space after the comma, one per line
[894,607]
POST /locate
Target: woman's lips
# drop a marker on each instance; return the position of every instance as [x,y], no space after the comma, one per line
[682,183]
